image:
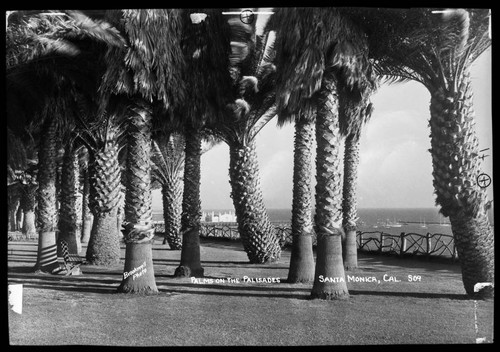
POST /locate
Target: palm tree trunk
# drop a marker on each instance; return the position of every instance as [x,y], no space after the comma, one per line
[103,233]
[68,217]
[86,213]
[302,260]
[120,214]
[256,231]
[172,211]
[456,166]
[29,227]
[13,205]
[20,219]
[27,204]
[329,277]
[78,205]
[59,167]
[138,233]
[349,204]
[47,249]
[104,246]
[191,208]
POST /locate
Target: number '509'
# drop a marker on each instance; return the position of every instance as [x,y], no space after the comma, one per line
[412,278]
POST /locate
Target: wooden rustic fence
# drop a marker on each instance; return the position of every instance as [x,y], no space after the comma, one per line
[436,244]
[404,244]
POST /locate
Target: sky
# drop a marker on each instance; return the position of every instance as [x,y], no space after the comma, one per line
[395,168]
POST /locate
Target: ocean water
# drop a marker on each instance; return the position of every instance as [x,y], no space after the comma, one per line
[388,220]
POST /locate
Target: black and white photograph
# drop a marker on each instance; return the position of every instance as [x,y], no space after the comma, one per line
[268,176]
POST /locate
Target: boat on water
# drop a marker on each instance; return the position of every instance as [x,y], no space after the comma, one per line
[423,224]
[389,224]
[442,223]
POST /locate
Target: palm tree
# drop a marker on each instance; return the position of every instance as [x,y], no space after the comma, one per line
[68,213]
[190,264]
[302,260]
[103,140]
[13,193]
[138,230]
[355,110]
[22,184]
[16,155]
[46,55]
[87,216]
[46,198]
[437,49]
[250,109]
[149,67]
[322,49]
[168,171]
[27,204]
[206,50]
[21,48]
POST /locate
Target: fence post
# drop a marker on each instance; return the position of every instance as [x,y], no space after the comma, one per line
[402,249]
[429,245]
[360,234]
[381,242]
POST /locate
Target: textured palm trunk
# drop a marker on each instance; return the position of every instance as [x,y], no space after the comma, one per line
[456,166]
[329,276]
[104,245]
[47,250]
[120,215]
[138,231]
[256,231]
[13,206]
[78,206]
[20,219]
[349,203]
[68,216]
[172,211]
[59,168]
[302,260]
[29,227]
[190,264]
[27,204]
[87,216]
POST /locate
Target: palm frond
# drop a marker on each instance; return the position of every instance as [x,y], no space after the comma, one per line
[99,30]
[417,44]
[262,121]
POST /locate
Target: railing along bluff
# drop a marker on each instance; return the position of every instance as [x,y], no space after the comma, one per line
[404,244]
[411,243]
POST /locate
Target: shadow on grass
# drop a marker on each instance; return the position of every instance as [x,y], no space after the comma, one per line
[236,294]
[240,287]
[22,258]
[21,270]
[218,264]
[18,244]
[410,294]
[23,252]
[94,285]
[88,289]
[110,290]
[79,279]
[82,280]
[410,262]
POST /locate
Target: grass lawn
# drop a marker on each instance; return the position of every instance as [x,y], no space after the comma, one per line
[85,310]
